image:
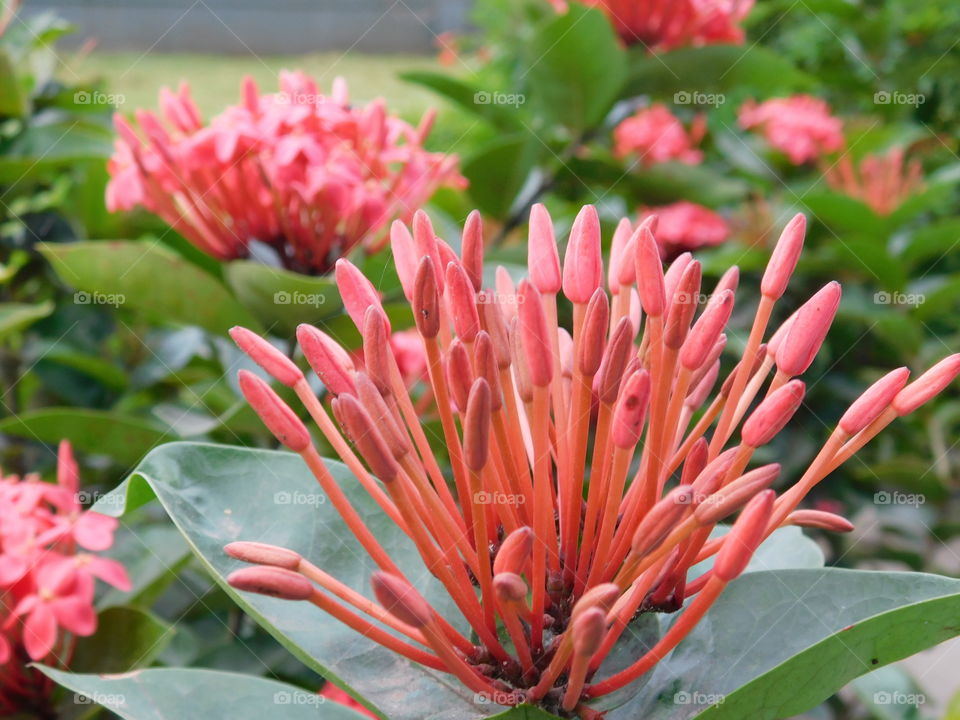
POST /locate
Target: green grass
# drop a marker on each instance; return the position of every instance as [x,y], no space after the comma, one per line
[215,79]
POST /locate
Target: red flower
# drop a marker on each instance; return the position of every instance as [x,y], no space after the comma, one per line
[800,126]
[655,135]
[684,226]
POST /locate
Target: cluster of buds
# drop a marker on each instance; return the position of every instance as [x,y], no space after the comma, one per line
[590,466]
[661,25]
[883,182]
[304,173]
[47,577]
[800,126]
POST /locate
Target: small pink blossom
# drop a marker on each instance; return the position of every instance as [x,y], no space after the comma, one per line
[882,182]
[685,226]
[800,126]
[655,135]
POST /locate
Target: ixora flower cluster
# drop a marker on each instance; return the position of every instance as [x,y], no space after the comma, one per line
[303,172]
[662,25]
[47,575]
[590,466]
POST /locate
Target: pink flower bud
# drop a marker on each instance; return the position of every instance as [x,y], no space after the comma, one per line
[661,520]
[649,271]
[471,249]
[745,537]
[401,600]
[426,299]
[734,496]
[274,412]
[619,250]
[615,358]
[698,396]
[271,581]
[683,307]
[514,552]
[602,597]
[356,291]
[808,330]
[376,348]
[671,278]
[521,372]
[372,400]
[582,263]
[506,293]
[543,259]
[706,330]
[447,255]
[784,258]
[425,241]
[366,437]
[711,477]
[820,519]
[595,322]
[459,374]
[263,554]
[588,631]
[627,270]
[534,336]
[730,280]
[486,365]
[462,302]
[772,414]
[928,385]
[329,361]
[510,587]
[495,324]
[405,256]
[274,362]
[631,410]
[875,399]
[476,426]
[773,346]
[695,461]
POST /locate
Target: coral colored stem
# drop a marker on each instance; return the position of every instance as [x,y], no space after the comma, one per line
[545,542]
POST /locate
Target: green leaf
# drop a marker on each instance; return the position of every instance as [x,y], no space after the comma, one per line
[149,279]
[152,554]
[124,438]
[126,639]
[160,694]
[890,694]
[217,494]
[498,170]
[576,68]
[13,103]
[17,316]
[281,299]
[842,212]
[470,97]
[778,643]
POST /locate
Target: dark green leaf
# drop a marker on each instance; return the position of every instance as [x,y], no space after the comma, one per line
[126,639]
[497,172]
[470,97]
[17,316]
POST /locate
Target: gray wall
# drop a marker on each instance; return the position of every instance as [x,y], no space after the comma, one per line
[260,26]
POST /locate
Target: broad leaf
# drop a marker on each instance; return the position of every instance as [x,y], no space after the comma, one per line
[126,639]
[161,694]
[470,97]
[497,172]
[148,278]
[17,316]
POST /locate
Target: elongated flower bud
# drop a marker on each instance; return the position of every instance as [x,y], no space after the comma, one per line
[772,414]
[875,399]
[425,241]
[486,365]
[462,303]
[329,361]
[506,294]
[459,374]
[476,426]
[607,382]
[595,323]
[372,400]
[274,412]
[426,299]
[514,552]
[706,331]
[601,597]
[627,270]
[376,348]
[661,519]
[683,307]
[695,461]
[784,258]
[356,291]
[471,249]
[510,587]
[776,340]
[671,278]
[400,599]
[696,397]
[542,255]
[263,554]
[631,410]
[820,519]
[495,324]
[649,271]
[734,496]
[534,336]
[582,263]
[521,371]
[405,256]
[274,362]
[730,280]
[621,256]
[588,631]
[928,385]
[366,438]
[271,581]
[745,537]
[808,331]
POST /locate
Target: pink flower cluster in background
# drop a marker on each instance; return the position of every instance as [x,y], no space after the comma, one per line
[883,182]
[669,24]
[303,172]
[655,135]
[683,226]
[800,126]
[47,575]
